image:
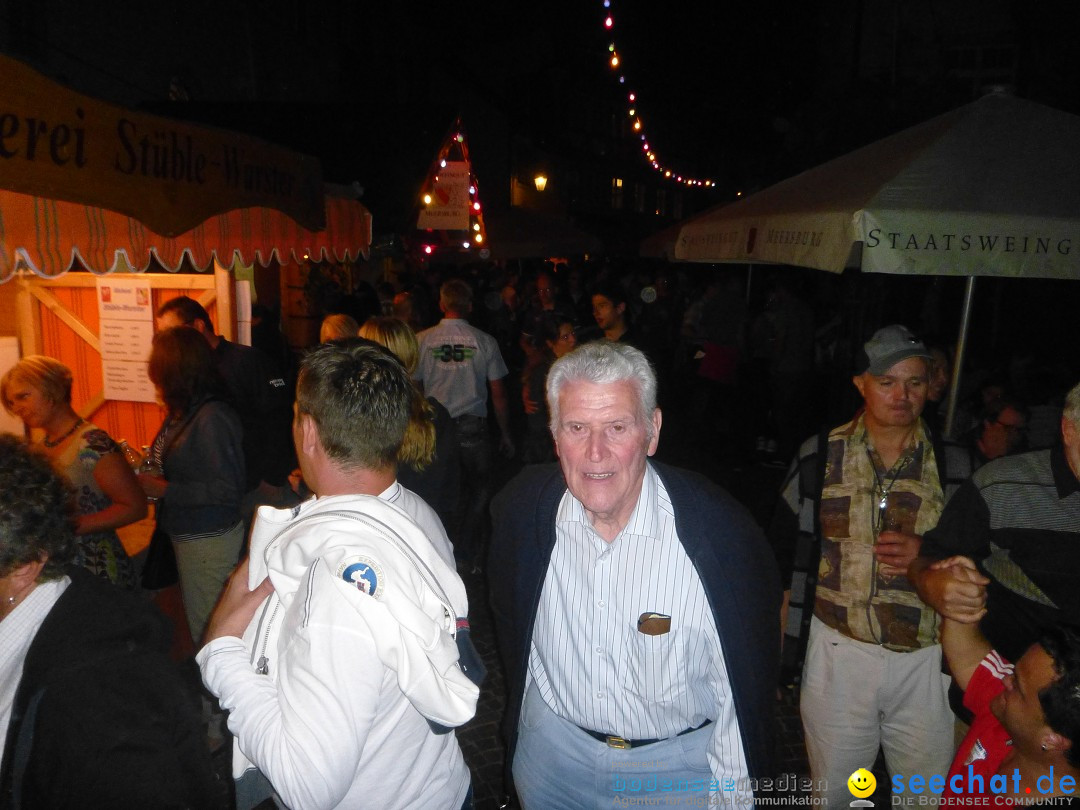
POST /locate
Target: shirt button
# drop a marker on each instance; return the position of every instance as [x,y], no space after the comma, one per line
[601,603]
[600,695]
[600,650]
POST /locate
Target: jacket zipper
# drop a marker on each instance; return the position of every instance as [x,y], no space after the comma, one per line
[263,665]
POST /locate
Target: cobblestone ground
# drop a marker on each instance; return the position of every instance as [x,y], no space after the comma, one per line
[480,738]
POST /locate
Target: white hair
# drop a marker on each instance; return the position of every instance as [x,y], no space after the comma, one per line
[1071,411]
[603,362]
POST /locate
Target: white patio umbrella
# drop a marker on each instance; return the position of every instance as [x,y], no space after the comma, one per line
[989,189]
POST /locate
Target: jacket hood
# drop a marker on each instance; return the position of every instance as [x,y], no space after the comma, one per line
[372,557]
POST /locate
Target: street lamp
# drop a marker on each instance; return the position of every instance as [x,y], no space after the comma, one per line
[541,182]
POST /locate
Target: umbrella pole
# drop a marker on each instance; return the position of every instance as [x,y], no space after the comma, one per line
[958,361]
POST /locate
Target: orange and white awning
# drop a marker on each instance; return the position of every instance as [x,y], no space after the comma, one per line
[51,237]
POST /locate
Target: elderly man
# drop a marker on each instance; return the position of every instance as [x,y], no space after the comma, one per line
[1025,718]
[333,648]
[1018,518]
[851,516]
[635,608]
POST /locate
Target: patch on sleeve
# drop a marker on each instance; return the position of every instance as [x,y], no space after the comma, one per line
[364,574]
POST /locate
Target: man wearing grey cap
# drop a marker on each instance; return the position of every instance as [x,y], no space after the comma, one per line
[850,520]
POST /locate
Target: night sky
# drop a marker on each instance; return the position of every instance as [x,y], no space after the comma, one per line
[718,83]
[744,93]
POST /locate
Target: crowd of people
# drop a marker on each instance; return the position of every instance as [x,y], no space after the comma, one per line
[887,535]
[321,521]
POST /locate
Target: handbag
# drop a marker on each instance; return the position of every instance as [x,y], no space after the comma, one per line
[159,568]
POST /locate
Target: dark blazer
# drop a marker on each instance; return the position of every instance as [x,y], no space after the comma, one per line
[728,550]
[102,718]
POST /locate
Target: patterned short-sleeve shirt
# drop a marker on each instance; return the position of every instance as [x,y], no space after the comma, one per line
[853,595]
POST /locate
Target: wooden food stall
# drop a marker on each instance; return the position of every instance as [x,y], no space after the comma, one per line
[97,200]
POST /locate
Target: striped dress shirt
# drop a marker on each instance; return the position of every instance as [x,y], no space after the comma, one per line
[590,663]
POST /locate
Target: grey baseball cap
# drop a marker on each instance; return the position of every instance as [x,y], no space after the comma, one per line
[888,346]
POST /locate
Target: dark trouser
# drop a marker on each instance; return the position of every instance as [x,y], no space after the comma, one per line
[477,461]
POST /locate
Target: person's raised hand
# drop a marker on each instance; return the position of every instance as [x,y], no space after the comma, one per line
[237,605]
[956,589]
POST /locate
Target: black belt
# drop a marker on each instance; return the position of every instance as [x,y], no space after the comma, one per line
[614,741]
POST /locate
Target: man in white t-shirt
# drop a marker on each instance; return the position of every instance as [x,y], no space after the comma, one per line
[458,364]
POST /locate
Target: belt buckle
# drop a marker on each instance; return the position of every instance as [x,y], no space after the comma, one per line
[617,742]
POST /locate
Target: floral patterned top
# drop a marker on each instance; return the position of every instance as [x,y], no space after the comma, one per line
[99,552]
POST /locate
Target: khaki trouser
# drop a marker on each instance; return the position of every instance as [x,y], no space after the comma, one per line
[204,565]
[857,697]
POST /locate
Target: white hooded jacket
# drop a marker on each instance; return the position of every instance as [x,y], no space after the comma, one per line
[331,689]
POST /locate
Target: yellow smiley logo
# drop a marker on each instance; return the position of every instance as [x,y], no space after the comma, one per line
[861,783]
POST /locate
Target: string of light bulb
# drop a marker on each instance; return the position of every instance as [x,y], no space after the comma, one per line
[615,62]
[454,149]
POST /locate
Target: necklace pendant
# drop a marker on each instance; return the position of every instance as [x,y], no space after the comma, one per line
[883,504]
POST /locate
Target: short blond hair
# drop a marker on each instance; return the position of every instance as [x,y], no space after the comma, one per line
[338,326]
[456,296]
[394,334]
[49,376]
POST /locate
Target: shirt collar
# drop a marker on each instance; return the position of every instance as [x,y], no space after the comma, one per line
[860,433]
[643,520]
[392,492]
[1064,479]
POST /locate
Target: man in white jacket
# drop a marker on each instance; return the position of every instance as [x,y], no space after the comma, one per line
[333,646]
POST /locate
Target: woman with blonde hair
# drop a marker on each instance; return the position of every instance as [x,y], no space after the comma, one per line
[428,461]
[337,326]
[37,389]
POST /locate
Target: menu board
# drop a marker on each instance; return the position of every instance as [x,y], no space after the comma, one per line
[126,330]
